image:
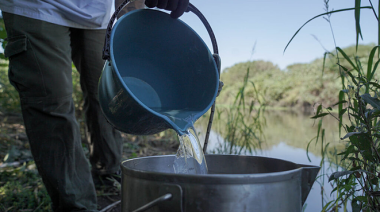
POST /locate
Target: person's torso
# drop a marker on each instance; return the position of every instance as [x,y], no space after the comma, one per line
[86,14]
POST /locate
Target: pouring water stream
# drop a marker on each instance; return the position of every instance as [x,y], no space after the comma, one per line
[189,158]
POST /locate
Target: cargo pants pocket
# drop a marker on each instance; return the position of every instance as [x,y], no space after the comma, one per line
[24,71]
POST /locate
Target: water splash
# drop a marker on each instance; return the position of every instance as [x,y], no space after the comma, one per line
[190,158]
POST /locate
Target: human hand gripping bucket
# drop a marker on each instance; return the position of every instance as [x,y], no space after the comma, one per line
[158,73]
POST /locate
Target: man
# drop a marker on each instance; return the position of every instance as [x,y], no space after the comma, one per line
[44,38]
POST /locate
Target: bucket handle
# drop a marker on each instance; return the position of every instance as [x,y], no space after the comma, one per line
[192,8]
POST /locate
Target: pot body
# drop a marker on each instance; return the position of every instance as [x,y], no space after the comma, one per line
[160,74]
[234,183]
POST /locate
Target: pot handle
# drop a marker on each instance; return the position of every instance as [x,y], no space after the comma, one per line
[192,8]
[154,202]
[170,199]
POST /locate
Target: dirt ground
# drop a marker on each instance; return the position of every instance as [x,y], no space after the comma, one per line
[12,132]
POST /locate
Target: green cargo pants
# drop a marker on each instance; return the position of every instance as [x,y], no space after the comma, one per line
[40,55]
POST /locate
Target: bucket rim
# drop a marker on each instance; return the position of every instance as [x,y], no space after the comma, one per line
[125,87]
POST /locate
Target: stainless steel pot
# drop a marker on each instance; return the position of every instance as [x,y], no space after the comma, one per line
[234,183]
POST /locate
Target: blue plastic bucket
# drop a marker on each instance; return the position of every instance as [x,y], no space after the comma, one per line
[159,74]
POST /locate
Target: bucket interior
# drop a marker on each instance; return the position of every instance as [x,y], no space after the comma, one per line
[163,63]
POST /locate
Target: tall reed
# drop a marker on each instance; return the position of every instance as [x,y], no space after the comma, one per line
[358,112]
[241,124]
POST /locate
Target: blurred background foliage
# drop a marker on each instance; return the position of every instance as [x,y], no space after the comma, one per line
[299,86]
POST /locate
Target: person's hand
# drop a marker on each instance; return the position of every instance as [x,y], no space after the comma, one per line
[178,7]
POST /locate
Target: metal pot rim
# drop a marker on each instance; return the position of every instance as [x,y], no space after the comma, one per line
[211,178]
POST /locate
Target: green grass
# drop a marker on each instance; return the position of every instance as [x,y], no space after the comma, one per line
[22,188]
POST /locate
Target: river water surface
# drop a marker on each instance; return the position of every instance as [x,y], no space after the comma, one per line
[286,136]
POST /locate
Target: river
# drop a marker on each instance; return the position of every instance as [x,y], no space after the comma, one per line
[286,136]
